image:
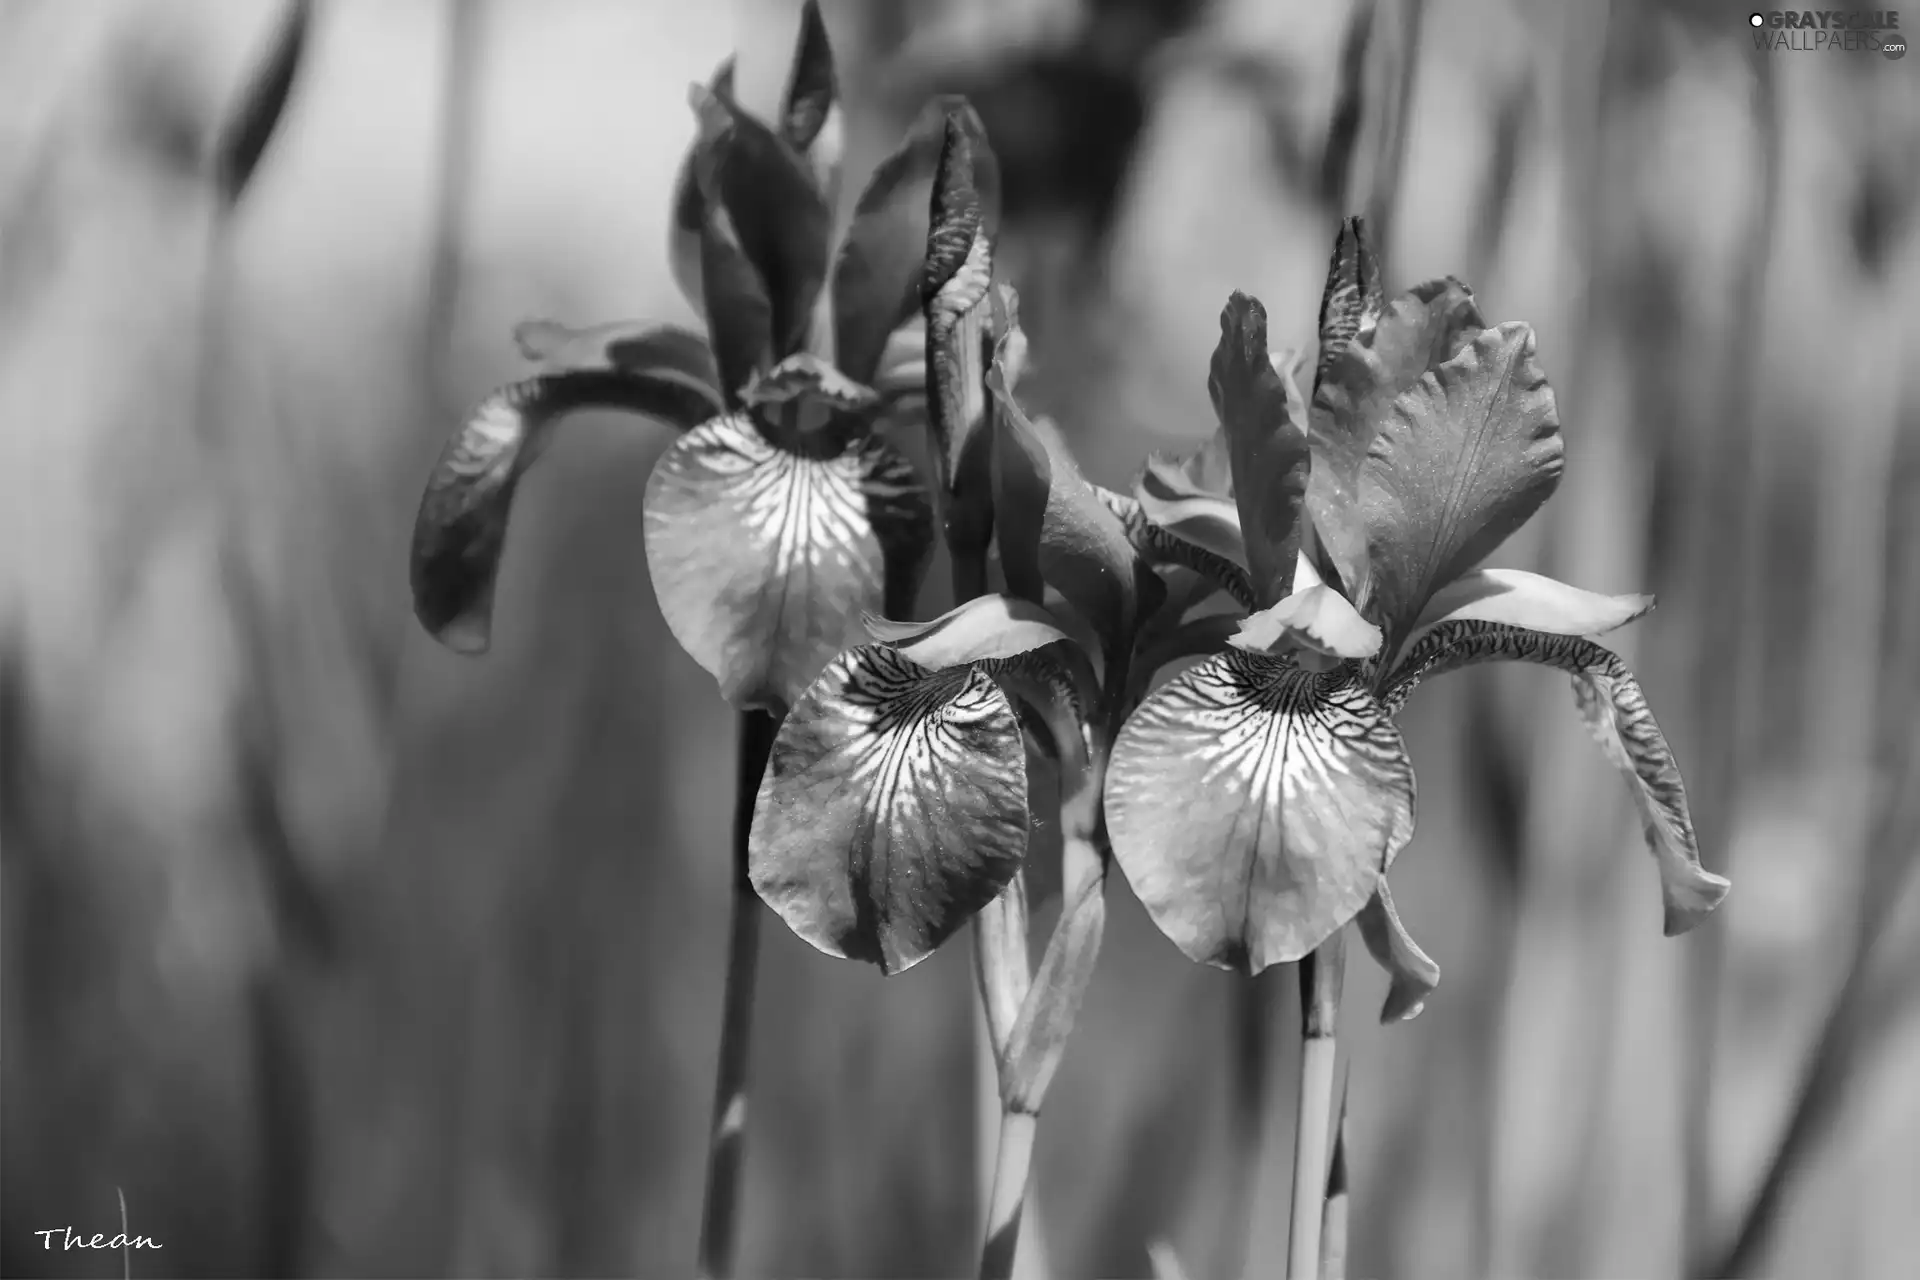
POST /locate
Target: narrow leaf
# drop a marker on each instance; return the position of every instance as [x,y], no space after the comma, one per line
[766,560]
[461,528]
[1460,461]
[1412,974]
[1616,712]
[1267,442]
[1252,806]
[1520,599]
[263,101]
[877,277]
[894,807]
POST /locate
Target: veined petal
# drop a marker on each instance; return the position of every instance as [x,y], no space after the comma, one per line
[894,807]
[1530,600]
[1461,460]
[1351,302]
[1317,621]
[811,121]
[876,280]
[1263,420]
[461,528]
[624,346]
[1253,805]
[689,208]
[1356,383]
[1191,497]
[1158,545]
[766,560]
[1413,974]
[1616,712]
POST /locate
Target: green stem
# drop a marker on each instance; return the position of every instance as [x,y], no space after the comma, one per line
[1320,979]
[720,1214]
[1333,1216]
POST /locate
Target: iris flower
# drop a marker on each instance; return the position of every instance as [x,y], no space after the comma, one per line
[1257,800]
[782,515]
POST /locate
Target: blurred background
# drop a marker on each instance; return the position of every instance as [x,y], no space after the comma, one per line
[338,955]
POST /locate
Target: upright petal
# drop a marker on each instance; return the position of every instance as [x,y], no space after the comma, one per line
[876,279]
[893,809]
[461,528]
[1191,496]
[1351,302]
[1253,806]
[766,560]
[688,211]
[1461,460]
[1267,441]
[1162,547]
[1355,384]
[810,116]
[1616,711]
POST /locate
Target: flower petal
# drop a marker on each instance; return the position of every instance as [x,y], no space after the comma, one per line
[461,528]
[876,280]
[1253,806]
[1412,972]
[1529,600]
[1616,712]
[893,809]
[626,346]
[766,560]
[1353,388]
[739,308]
[1162,546]
[1461,461]
[811,121]
[1351,302]
[1191,497]
[986,627]
[1315,621]
[689,207]
[1262,419]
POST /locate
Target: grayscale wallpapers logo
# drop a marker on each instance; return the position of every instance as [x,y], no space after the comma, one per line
[1829,31]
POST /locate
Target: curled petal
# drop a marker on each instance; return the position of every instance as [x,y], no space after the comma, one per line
[876,279]
[1161,546]
[1356,383]
[1520,599]
[894,807]
[1616,712]
[810,391]
[1351,302]
[461,528]
[766,560]
[1460,461]
[1315,621]
[985,627]
[1412,973]
[1263,422]
[1191,497]
[1253,805]
[624,346]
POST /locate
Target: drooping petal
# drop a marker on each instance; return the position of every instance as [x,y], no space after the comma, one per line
[1160,546]
[1461,460]
[1530,600]
[689,207]
[876,279]
[1617,713]
[810,117]
[894,807]
[984,628]
[779,216]
[461,528]
[956,286]
[1317,621]
[1253,805]
[766,560]
[1412,973]
[1355,385]
[626,346]
[1351,302]
[1267,441]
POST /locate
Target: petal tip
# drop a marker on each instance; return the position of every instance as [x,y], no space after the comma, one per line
[1688,903]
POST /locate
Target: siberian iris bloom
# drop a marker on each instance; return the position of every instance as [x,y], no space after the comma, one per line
[1257,800]
[782,515]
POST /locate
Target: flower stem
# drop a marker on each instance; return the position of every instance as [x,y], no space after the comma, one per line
[1333,1216]
[1249,1063]
[1012,1166]
[1320,979]
[720,1214]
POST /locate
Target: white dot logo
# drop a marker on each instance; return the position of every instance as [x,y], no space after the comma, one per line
[1756,19]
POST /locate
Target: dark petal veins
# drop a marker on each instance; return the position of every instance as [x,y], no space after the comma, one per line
[1351,302]
[689,208]
[1356,384]
[1616,711]
[1253,806]
[1191,496]
[877,278]
[1159,545]
[1414,975]
[955,287]
[461,528]
[766,561]
[1461,460]
[894,807]
[1267,442]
